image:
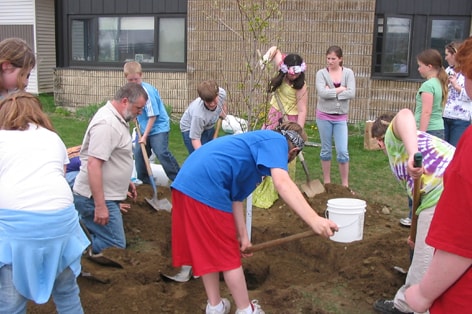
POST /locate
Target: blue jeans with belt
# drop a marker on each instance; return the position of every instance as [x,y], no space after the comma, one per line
[110,235]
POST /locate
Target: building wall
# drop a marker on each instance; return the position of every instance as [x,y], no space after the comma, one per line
[218,49]
[46,44]
[75,88]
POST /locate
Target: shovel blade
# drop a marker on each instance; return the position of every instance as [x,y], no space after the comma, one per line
[103,260]
[157,204]
[312,188]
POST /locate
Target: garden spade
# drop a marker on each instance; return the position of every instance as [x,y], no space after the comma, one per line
[155,203]
[98,258]
[311,187]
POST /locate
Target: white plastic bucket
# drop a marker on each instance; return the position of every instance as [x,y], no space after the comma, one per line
[348,214]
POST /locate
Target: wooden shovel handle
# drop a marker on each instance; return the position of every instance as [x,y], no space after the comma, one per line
[271,243]
[418,161]
[143,149]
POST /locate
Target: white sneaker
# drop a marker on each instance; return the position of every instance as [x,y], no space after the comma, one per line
[405,221]
[226,307]
[256,307]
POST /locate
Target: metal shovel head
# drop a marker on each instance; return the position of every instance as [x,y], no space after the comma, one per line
[312,188]
[157,204]
[103,260]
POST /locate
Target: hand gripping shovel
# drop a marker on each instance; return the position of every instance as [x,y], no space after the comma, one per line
[418,162]
[155,203]
[276,242]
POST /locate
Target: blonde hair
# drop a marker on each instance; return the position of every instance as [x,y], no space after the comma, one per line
[19,54]
[19,109]
[132,67]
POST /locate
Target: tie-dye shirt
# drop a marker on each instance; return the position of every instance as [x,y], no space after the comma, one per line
[437,154]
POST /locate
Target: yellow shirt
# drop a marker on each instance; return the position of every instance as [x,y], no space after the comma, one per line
[288,97]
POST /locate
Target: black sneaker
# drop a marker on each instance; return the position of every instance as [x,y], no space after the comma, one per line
[386,306]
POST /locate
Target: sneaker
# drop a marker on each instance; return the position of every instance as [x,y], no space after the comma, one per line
[226,307]
[405,221]
[386,306]
[256,308]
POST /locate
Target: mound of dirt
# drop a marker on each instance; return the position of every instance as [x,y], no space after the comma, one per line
[311,275]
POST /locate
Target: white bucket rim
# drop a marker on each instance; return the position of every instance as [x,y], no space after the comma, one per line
[346,202]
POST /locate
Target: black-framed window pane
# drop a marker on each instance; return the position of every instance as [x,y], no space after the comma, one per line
[126,38]
[444,31]
[172,40]
[396,46]
[82,39]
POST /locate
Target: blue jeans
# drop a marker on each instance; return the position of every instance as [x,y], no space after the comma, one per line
[453,129]
[70,177]
[338,130]
[110,235]
[437,133]
[159,143]
[206,136]
[65,293]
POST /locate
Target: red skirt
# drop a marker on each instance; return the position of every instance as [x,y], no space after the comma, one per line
[203,237]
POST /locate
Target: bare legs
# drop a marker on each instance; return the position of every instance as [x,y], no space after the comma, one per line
[236,283]
[343,171]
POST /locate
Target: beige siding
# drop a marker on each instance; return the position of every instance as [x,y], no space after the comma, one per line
[46,45]
[17,12]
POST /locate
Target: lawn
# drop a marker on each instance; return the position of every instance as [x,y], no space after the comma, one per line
[370,175]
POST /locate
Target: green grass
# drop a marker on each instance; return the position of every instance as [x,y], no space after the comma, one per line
[370,175]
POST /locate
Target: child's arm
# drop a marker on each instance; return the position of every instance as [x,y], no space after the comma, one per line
[238,213]
[149,125]
[302,105]
[427,108]
[272,55]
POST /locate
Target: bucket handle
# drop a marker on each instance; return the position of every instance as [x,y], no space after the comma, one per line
[343,226]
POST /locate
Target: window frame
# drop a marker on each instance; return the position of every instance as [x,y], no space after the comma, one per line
[420,39]
[94,33]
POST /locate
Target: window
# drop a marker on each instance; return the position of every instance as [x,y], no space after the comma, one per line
[393,41]
[110,41]
[403,30]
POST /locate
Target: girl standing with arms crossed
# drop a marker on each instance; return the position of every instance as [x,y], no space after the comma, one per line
[336,86]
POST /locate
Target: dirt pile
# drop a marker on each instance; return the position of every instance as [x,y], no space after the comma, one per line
[312,275]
